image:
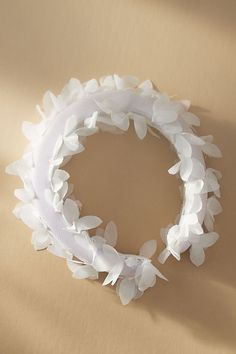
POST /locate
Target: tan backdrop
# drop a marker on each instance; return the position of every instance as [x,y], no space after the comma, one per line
[187,48]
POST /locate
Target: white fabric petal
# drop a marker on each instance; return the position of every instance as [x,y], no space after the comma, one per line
[33,131]
[214,206]
[197,255]
[91,86]
[24,194]
[209,221]
[87,223]
[147,277]
[72,264]
[198,170]
[186,168]
[71,125]
[193,204]
[172,128]
[57,147]
[85,271]
[164,255]
[183,146]
[99,241]
[140,125]
[146,85]
[186,104]
[18,168]
[191,118]
[59,177]
[70,211]
[194,139]
[72,142]
[189,218]
[111,234]
[57,249]
[209,239]
[91,121]
[40,239]
[131,261]
[121,120]
[163,117]
[127,290]
[48,103]
[175,168]
[84,131]
[196,228]
[28,214]
[194,187]
[114,274]
[158,273]
[107,81]
[125,82]
[211,150]
[210,182]
[148,249]
[106,259]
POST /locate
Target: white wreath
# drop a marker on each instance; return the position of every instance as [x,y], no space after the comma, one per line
[81,110]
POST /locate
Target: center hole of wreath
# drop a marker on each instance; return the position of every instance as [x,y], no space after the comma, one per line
[124,179]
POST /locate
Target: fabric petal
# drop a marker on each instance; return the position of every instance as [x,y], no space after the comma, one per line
[164,255]
[40,239]
[148,249]
[191,118]
[70,211]
[120,120]
[125,82]
[85,271]
[175,168]
[140,125]
[211,150]
[127,290]
[207,240]
[88,222]
[197,255]
[111,234]
[113,275]
[186,168]
[147,277]
[183,146]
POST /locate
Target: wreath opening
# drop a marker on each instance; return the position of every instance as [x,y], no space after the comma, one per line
[117,174]
[47,204]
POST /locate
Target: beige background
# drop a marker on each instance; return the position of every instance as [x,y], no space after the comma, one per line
[187,48]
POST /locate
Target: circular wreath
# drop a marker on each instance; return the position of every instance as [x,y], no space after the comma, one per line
[47,203]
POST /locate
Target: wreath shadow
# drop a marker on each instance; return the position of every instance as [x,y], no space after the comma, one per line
[113,182]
